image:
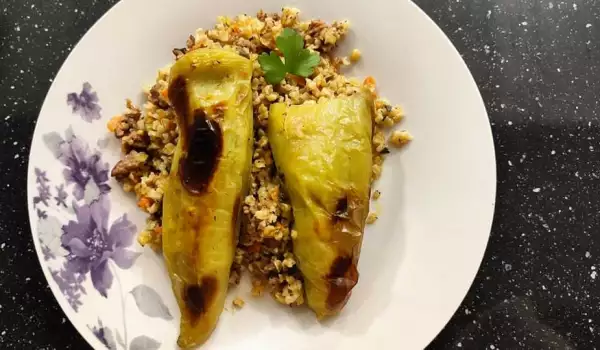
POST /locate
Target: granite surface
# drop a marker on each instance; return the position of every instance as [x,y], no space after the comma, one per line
[536,63]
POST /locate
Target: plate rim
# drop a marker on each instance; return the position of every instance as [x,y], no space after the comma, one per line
[493,160]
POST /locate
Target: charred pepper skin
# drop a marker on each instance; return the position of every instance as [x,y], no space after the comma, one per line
[324,152]
[210,92]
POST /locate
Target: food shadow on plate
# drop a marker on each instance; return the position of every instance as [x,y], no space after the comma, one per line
[381,257]
[380,260]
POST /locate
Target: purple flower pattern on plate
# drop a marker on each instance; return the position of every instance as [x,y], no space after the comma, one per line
[40,176]
[104,335]
[70,284]
[61,196]
[43,189]
[84,243]
[47,252]
[85,104]
[42,214]
[92,245]
[81,166]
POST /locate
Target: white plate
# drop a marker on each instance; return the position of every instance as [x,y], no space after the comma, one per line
[417,261]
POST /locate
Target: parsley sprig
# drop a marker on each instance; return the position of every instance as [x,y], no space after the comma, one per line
[297,59]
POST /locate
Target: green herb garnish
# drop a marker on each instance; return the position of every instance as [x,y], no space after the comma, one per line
[297,59]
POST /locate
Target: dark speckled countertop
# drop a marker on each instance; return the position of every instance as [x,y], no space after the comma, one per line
[537,65]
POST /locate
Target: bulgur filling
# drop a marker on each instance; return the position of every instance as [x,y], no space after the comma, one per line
[149,136]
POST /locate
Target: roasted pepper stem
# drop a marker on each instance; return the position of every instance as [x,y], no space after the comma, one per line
[324,152]
[210,92]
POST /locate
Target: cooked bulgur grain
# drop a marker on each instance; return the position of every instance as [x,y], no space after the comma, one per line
[372,217]
[148,141]
[238,303]
[376,195]
[355,55]
[400,138]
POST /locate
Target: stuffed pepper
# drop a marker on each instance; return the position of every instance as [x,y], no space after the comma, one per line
[210,92]
[324,153]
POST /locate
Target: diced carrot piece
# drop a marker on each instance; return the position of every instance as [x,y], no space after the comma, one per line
[145,202]
[169,125]
[114,122]
[301,81]
[370,81]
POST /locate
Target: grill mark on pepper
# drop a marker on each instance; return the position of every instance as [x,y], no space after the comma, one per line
[198,298]
[342,277]
[179,99]
[202,153]
[341,210]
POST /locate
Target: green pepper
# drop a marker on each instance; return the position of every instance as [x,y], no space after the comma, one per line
[324,152]
[210,92]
